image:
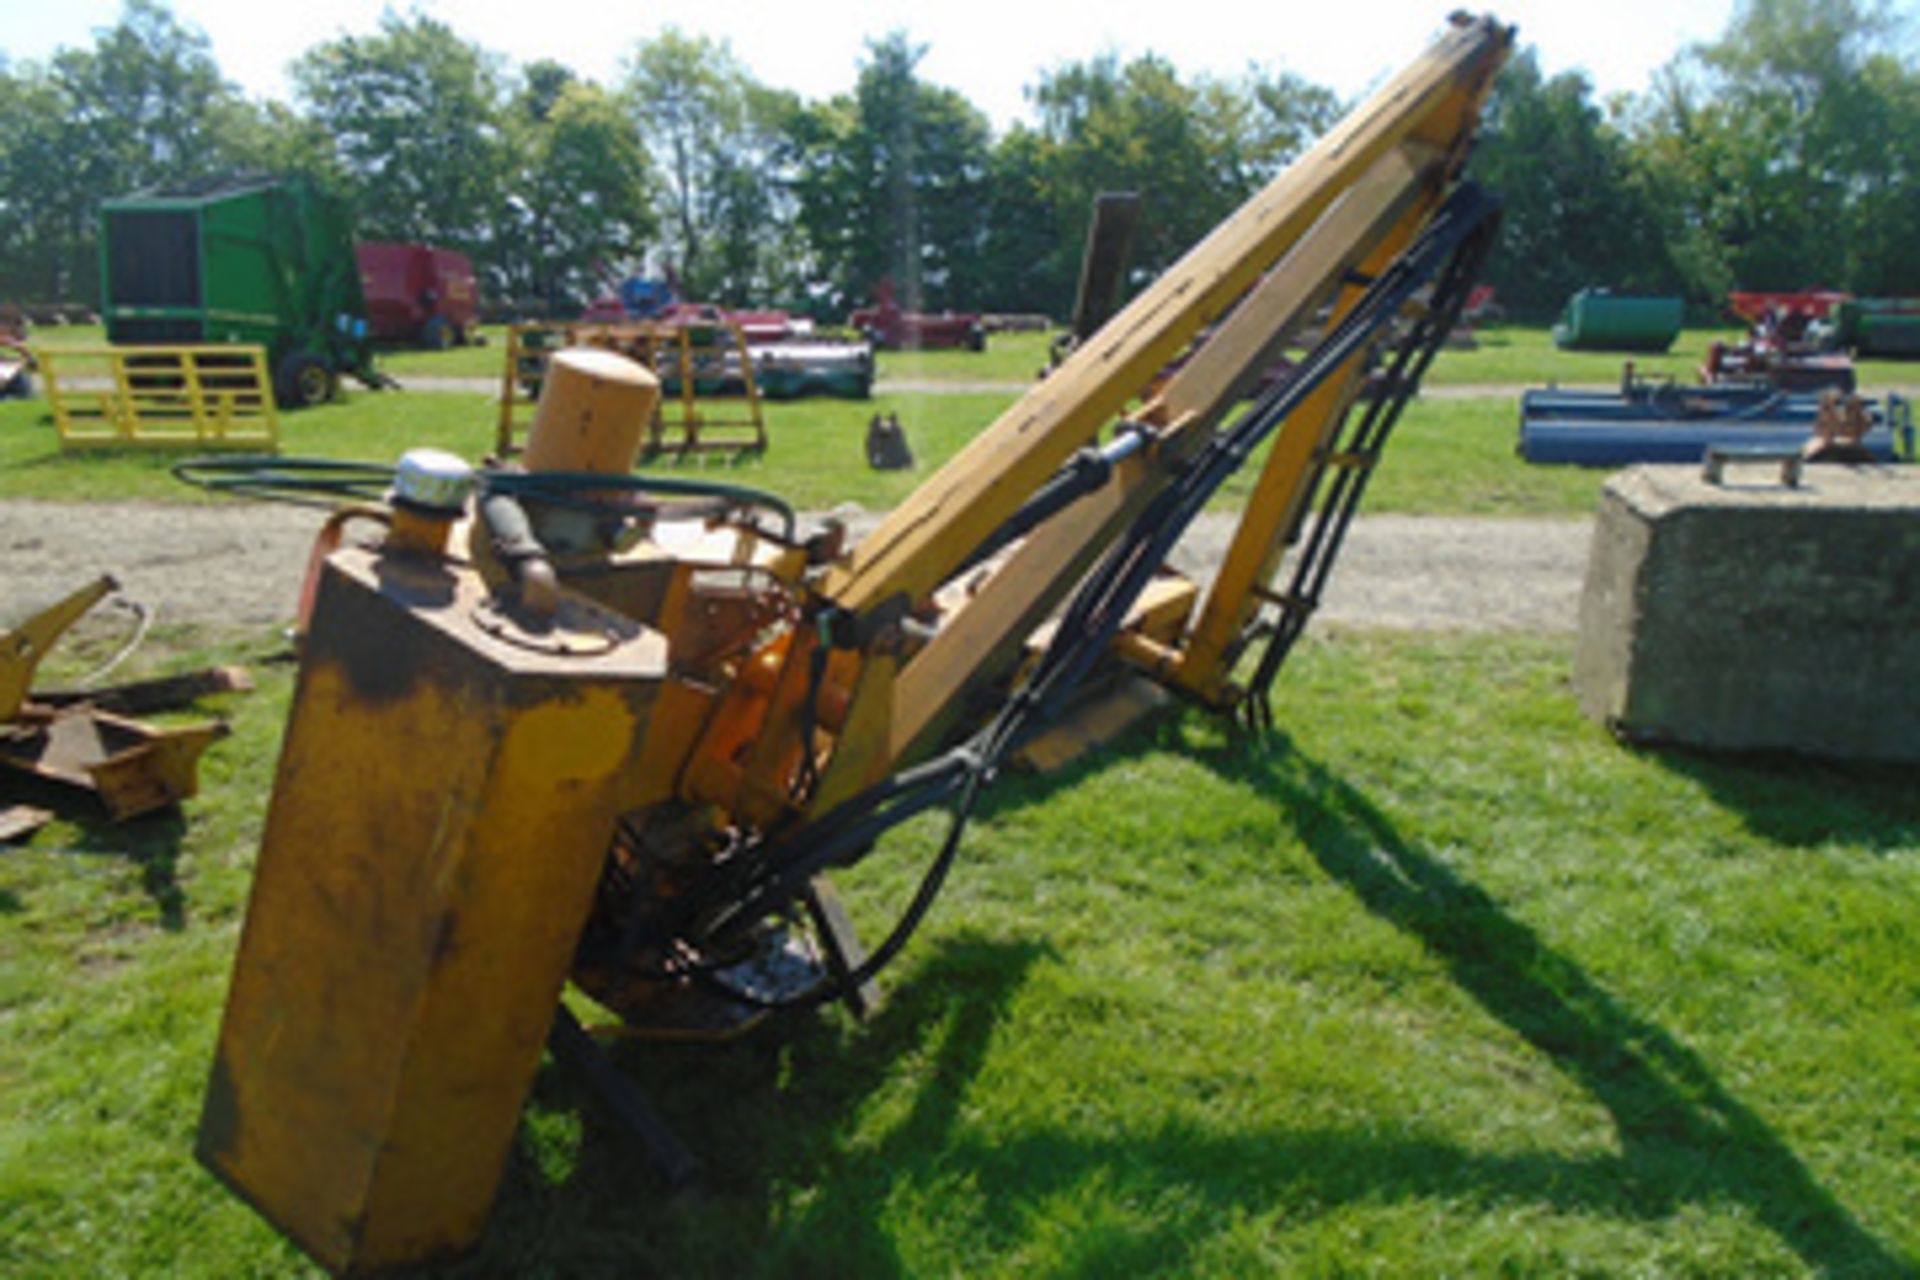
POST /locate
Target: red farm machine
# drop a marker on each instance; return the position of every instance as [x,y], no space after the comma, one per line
[891,328]
[418,294]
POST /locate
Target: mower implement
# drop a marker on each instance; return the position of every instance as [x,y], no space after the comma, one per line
[578,725]
[247,261]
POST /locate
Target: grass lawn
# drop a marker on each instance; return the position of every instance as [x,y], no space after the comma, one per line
[1448,456]
[1507,355]
[1524,355]
[1438,981]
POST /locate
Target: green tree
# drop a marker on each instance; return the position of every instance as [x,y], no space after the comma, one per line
[1785,151]
[1030,251]
[716,136]
[1883,217]
[413,112]
[890,183]
[1290,113]
[144,106]
[578,192]
[46,206]
[1193,151]
[145,98]
[1576,211]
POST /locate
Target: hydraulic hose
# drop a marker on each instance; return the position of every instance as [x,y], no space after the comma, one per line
[325,482]
[1086,630]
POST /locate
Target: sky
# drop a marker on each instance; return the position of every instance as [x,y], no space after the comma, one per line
[989,50]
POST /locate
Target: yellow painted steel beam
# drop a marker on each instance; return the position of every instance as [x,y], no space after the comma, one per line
[1274,508]
[931,533]
[979,642]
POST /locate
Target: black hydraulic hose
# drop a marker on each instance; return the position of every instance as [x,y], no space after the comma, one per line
[1101,606]
[1085,472]
[328,481]
[931,882]
[565,488]
[1410,363]
[761,886]
[313,482]
[1091,620]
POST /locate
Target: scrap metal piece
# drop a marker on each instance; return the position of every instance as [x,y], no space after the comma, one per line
[17,821]
[143,697]
[135,768]
[73,739]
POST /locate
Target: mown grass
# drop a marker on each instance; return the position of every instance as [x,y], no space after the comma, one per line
[1438,981]
[1524,355]
[1009,357]
[1505,355]
[1448,456]
[1012,358]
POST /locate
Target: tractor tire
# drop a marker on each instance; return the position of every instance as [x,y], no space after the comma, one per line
[437,334]
[303,379]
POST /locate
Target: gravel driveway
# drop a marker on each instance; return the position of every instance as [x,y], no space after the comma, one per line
[240,563]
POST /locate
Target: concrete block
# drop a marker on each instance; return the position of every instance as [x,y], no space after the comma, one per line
[1752,616]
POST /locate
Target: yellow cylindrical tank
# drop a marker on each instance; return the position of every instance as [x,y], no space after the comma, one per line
[594,408]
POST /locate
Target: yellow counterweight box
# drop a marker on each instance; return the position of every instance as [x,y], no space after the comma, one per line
[447,789]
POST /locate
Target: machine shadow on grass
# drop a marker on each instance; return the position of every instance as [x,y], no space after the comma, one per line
[762,1112]
[1684,1139]
[1803,801]
[786,1193]
[151,842]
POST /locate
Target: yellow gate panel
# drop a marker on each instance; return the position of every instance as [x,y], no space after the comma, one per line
[206,396]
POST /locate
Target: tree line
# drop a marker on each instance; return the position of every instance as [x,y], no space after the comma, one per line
[1782,154]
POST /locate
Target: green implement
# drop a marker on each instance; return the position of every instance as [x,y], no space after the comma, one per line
[256,261]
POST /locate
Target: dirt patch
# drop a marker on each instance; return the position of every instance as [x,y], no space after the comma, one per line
[240,564]
[227,564]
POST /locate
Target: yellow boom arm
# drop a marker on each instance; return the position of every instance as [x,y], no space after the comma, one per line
[572,724]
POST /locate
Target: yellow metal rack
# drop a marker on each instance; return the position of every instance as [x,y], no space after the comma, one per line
[206,396]
[712,401]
